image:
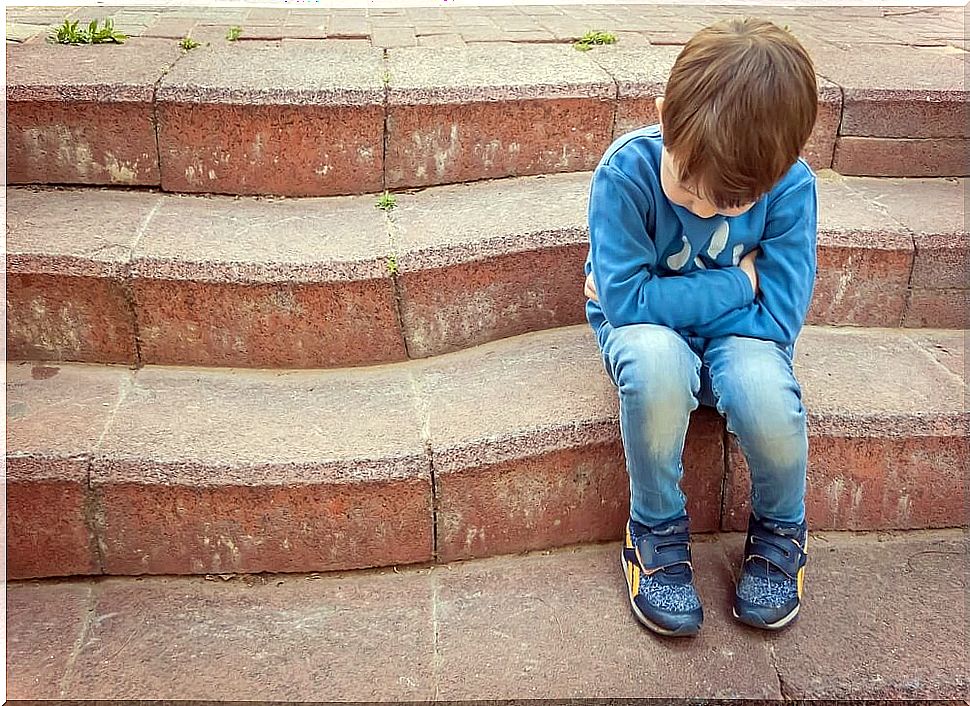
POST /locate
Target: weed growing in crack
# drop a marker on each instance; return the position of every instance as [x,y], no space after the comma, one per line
[386,202]
[73,33]
[594,38]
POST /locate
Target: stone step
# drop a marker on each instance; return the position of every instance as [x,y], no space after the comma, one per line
[503,628]
[331,117]
[507,447]
[145,278]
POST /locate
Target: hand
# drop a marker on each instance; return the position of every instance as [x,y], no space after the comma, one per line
[747,266]
[590,289]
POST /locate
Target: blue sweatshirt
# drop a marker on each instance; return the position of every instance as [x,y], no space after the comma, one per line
[655,262]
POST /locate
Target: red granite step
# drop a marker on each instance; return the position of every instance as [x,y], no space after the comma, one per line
[146,278]
[507,447]
[330,117]
[518,627]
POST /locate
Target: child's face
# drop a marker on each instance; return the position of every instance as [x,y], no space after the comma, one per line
[690,196]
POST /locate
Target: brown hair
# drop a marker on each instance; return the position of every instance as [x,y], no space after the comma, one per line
[740,105]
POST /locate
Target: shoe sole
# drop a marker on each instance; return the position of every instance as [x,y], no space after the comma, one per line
[777,625]
[683,631]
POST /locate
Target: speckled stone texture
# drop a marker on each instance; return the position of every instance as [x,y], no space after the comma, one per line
[887,432]
[935,211]
[897,157]
[84,115]
[864,259]
[899,91]
[559,626]
[641,76]
[360,637]
[895,637]
[292,284]
[66,271]
[295,121]
[520,627]
[526,450]
[491,260]
[45,620]
[55,418]
[487,111]
[221,472]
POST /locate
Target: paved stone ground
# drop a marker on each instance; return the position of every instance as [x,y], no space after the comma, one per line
[884,618]
[454,26]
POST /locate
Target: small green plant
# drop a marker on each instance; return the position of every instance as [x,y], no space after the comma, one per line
[594,38]
[106,34]
[386,77]
[68,33]
[392,264]
[234,33]
[73,33]
[386,202]
[188,44]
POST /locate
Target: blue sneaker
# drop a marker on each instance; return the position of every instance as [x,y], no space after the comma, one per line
[660,577]
[772,574]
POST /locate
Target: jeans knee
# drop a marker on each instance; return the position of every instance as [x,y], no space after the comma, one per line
[769,420]
[655,363]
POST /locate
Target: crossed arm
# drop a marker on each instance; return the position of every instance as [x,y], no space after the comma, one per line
[629,291]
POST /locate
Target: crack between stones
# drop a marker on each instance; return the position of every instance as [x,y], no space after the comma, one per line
[158,147]
[424,417]
[912,240]
[436,654]
[387,91]
[783,688]
[392,266]
[93,509]
[78,644]
[126,287]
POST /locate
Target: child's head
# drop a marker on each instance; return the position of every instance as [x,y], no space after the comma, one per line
[740,105]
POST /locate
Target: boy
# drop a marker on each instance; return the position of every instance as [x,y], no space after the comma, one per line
[699,276]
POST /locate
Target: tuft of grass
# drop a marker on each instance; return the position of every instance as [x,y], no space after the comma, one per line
[73,33]
[188,44]
[386,77]
[386,202]
[234,33]
[594,38]
[392,264]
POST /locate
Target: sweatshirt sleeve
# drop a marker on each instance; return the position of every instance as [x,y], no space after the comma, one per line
[786,272]
[623,258]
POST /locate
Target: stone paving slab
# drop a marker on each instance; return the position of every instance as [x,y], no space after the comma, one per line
[904,92]
[460,114]
[316,293]
[501,628]
[84,114]
[262,471]
[247,471]
[300,121]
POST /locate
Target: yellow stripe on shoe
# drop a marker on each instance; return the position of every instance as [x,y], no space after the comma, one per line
[801,581]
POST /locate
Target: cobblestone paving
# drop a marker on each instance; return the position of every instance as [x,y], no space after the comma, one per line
[455,26]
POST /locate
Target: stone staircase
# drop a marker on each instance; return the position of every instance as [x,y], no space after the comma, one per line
[224,360]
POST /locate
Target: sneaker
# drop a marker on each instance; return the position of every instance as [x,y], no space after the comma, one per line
[772,574]
[659,577]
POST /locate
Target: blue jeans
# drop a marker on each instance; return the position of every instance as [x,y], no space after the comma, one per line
[662,377]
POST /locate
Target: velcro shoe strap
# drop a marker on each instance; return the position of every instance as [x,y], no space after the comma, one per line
[781,552]
[658,552]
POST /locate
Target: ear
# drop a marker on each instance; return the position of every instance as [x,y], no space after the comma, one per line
[659,102]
